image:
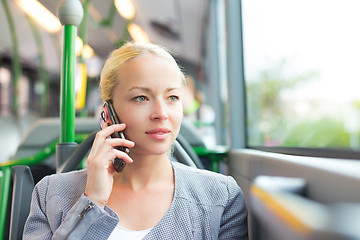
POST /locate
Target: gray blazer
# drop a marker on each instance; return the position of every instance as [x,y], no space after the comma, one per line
[206,205]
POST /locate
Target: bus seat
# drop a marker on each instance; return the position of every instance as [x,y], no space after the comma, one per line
[73,161]
[47,130]
[190,133]
[190,158]
[9,138]
[180,155]
[183,153]
[23,185]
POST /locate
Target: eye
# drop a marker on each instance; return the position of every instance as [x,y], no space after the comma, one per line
[140,98]
[174,98]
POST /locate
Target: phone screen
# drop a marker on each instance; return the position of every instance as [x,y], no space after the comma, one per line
[108,115]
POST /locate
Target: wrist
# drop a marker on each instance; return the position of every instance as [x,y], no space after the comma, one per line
[100,204]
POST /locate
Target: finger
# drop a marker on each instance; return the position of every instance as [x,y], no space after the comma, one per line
[107,131]
[113,153]
[118,127]
[122,155]
[104,125]
[98,144]
[120,142]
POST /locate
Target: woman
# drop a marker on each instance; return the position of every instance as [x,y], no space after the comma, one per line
[151,198]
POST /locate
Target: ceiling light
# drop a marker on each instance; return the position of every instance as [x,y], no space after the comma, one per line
[137,33]
[5,76]
[79,45]
[125,8]
[87,52]
[40,14]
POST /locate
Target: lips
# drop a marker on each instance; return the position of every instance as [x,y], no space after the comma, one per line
[158,133]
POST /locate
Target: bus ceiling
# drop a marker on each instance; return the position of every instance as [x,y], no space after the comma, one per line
[178,25]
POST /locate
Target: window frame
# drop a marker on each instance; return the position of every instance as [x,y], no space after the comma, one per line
[237,113]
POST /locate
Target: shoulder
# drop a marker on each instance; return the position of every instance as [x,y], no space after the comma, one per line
[69,185]
[203,186]
[199,174]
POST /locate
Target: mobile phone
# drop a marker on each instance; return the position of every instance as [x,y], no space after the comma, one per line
[108,115]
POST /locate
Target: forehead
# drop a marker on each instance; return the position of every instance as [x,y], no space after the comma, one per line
[149,69]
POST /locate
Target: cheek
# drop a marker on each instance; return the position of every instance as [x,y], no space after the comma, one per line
[135,118]
[177,118]
[134,127]
[131,118]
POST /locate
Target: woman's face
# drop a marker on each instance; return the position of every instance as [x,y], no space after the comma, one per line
[148,100]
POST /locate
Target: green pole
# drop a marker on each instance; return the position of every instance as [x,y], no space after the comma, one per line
[44,97]
[111,15]
[5,193]
[67,92]
[16,65]
[70,13]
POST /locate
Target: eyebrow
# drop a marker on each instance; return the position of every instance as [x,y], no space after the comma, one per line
[149,90]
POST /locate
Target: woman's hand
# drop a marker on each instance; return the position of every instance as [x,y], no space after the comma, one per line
[100,170]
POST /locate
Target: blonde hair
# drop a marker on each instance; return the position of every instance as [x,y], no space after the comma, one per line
[130,50]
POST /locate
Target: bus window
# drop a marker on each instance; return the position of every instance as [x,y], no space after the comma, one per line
[301,61]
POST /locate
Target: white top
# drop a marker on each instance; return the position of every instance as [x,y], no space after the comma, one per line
[125,234]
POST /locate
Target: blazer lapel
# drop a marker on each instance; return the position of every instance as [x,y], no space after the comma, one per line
[176,224]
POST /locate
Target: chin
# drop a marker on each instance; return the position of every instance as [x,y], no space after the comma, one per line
[160,151]
[149,147]
[155,150]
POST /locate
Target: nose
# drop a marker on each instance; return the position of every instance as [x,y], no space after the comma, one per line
[159,111]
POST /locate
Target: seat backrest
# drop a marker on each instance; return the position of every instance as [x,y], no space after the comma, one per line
[185,154]
[23,185]
[47,130]
[191,134]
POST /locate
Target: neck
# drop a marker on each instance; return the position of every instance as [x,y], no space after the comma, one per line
[144,172]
